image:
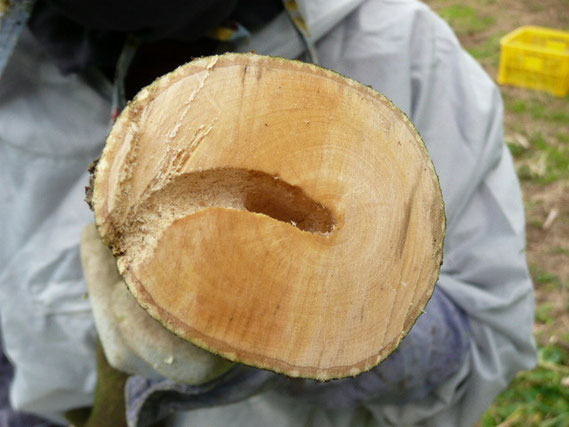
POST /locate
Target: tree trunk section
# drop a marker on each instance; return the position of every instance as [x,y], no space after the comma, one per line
[273,212]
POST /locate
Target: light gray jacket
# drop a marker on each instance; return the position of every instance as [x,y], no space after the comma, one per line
[52,127]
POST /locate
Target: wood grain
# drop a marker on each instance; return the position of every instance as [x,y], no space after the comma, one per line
[273,212]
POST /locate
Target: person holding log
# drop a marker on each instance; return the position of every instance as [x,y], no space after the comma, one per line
[278,228]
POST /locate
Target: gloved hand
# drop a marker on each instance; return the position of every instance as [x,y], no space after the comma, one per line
[133,341]
[436,347]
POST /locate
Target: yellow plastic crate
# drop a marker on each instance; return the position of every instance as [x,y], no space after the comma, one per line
[536,58]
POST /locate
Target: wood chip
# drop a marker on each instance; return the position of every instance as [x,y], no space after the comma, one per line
[551,217]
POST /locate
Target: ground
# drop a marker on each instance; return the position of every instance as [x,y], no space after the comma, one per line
[537,132]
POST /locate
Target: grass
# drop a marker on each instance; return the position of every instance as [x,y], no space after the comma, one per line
[546,162]
[560,251]
[543,313]
[535,398]
[466,19]
[489,50]
[538,110]
[543,160]
[542,277]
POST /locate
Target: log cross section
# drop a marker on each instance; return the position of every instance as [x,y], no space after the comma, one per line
[273,212]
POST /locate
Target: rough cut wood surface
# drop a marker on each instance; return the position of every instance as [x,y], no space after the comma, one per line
[273,212]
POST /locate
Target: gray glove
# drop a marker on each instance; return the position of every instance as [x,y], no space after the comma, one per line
[133,341]
[433,351]
[435,348]
[169,372]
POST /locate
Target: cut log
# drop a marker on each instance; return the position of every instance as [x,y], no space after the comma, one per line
[273,212]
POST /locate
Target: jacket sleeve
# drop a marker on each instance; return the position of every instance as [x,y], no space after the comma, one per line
[405,51]
[52,127]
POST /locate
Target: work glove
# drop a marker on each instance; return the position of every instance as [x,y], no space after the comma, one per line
[433,351]
[168,373]
[134,342]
